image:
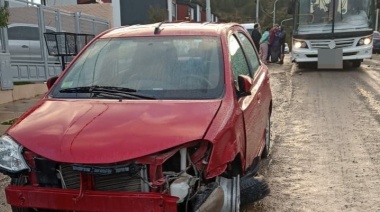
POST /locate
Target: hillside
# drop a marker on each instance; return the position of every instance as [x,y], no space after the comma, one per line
[245,11]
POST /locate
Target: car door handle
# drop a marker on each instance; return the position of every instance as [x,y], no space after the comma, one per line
[24,46]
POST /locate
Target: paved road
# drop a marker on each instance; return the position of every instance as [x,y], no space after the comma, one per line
[326,127]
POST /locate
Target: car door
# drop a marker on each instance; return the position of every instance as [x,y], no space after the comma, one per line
[35,43]
[19,43]
[247,104]
[257,112]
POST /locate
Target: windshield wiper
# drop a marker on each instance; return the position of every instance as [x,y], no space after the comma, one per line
[90,89]
[118,92]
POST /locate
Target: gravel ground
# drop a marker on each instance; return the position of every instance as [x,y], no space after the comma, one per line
[325,134]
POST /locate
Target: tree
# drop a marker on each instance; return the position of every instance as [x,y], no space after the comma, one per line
[4,16]
[157,14]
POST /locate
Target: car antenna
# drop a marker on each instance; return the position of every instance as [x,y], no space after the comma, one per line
[157,28]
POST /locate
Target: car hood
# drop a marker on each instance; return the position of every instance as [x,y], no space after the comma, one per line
[102,132]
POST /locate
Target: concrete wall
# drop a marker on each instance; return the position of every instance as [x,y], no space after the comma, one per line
[22,92]
[98,10]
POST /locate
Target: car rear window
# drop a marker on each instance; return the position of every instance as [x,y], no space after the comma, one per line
[163,67]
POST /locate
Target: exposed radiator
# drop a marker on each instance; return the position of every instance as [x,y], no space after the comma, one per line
[113,182]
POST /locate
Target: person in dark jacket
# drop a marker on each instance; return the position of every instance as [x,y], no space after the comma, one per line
[282,39]
[256,36]
[274,41]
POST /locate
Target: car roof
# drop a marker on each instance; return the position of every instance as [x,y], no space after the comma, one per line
[29,25]
[170,29]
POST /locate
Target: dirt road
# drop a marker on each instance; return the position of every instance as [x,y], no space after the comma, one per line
[326,140]
[326,143]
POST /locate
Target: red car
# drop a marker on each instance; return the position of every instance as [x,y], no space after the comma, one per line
[162,117]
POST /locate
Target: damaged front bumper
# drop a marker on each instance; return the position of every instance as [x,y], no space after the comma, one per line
[89,201]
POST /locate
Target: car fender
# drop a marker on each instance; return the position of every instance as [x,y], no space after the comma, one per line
[228,138]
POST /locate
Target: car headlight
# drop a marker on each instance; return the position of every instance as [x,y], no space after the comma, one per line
[365,41]
[11,158]
[300,44]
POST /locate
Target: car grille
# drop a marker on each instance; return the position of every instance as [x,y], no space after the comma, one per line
[113,182]
[324,44]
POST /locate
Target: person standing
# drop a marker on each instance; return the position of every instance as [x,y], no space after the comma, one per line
[264,42]
[256,36]
[274,41]
[282,41]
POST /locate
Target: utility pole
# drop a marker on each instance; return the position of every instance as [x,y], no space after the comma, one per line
[377,20]
[170,10]
[274,12]
[257,10]
[208,11]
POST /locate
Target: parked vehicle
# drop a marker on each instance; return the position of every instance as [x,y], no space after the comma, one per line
[318,36]
[154,117]
[249,27]
[25,43]
[376,42]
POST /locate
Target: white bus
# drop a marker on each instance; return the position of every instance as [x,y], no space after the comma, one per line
[332,31]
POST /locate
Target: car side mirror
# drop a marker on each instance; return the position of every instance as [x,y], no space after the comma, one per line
[50,82]
[245,85]
[291,6]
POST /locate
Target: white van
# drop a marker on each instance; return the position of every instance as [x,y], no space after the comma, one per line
[248,27]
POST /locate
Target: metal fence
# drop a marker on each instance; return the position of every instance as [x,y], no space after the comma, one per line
[24,40]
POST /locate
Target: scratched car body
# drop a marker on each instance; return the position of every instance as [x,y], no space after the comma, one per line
[161,117]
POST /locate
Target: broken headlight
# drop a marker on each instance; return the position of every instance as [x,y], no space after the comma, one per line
[11,159]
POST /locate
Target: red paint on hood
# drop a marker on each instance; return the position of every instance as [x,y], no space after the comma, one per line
[99,132]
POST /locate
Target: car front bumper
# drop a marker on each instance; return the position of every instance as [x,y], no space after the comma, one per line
[311,55]
[88,201]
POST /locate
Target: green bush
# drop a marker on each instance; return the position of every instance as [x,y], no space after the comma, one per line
[4,16]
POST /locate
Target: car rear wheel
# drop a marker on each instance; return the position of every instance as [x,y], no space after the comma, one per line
[267,139]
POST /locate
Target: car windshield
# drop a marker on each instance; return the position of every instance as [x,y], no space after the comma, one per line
[319,16]
[155,67]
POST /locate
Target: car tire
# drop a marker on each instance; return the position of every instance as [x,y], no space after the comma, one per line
[253,190]
[267,139]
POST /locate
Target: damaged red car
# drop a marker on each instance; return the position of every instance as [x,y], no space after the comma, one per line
[161,117]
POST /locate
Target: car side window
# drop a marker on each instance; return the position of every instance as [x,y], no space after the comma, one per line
[250,53]
[23,33]
[238,61]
